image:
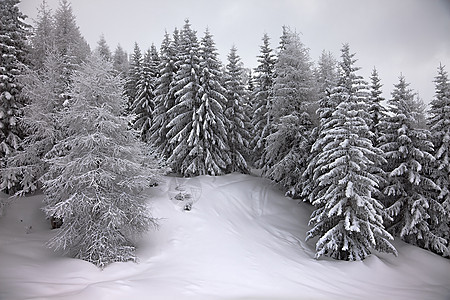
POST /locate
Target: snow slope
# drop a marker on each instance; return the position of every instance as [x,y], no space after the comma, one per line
[242,240]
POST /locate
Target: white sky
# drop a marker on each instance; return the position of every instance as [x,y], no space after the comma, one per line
[396,36]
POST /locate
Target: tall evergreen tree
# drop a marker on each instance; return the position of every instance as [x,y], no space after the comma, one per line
[103,48]
[237,119]
[287,147]
[144,104]
[68,40]
[95,186]
[409,194]
[43,38]
[208,136]
[13,59]
[326,75]
[439,122]
[376,111]
[326,72]
[165,94]
[120,61]
[347,219]
[187,103]
[134,74]
[285,38]
[261,99]
[40,121]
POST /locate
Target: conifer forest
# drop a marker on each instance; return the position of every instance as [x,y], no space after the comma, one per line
[95,131]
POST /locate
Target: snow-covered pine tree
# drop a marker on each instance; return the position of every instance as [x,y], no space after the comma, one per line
[439,122]
[144,103]
[377,111]
[184,114]
[208,135]
[95,186]
[165,94]
[120,61]
[261,100]
[13,59]
[134,74]
[284,38]
[287,146]
[155,60]
[326,75]
[410,190]
[347,219]
[238,122]
[45,90]
[69,42]
[43,39]
[103,48]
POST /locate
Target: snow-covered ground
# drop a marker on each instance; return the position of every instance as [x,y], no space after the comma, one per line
[242,240]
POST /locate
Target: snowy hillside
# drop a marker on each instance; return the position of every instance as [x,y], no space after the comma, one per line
[242,240]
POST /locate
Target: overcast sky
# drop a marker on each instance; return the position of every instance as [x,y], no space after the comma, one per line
[396,36]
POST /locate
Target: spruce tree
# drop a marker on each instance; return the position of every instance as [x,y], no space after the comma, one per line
[376,111]
[69,42]
[103,48]
[45,92]
[184,114]
[326,75]
[439,122]
[261,99]
[43,39]
[208,136]
[410,190]
[134,74]
[165,94]
[237,120]
[287,147]
[13,60]
[120,61]
[144,104]
[95,185]
[347,219]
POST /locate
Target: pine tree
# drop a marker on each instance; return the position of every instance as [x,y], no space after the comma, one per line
[262,97]
[237,121]
[326,79]
[326,75]
[103,48]
[13,59]
[409,193]
[95,185]
[69,42]
[134,74]
[197,131]
[183,114]
[43,39]
[376,111]
[287,147]
[285,38]
[45,92]
[208,135]
[144,104]
[165,94]
[347,219]
[439,122]
[120,61]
